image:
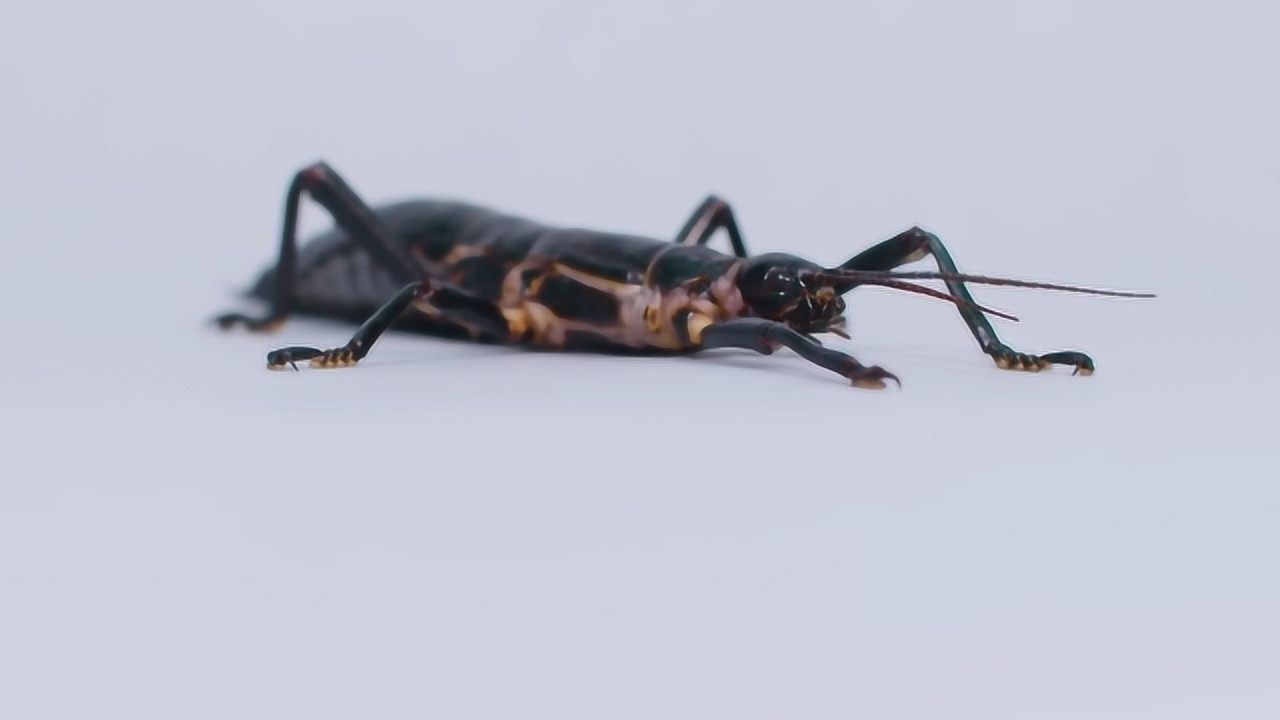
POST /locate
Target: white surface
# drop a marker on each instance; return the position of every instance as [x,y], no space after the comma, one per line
[468,532]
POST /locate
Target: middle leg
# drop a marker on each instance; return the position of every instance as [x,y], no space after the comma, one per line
[710,216]
[913,245]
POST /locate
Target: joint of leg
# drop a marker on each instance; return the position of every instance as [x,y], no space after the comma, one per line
[316,172]
[765,343]
[918,236]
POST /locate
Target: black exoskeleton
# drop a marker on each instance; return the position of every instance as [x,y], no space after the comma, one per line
[465,271]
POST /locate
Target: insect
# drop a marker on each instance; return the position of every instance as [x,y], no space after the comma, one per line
[461,270]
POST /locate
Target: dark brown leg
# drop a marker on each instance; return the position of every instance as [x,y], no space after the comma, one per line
[480,317]
[710,216]
[766,336]
[327,188]
[913,245]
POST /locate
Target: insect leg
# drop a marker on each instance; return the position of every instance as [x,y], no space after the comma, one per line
[326,187]
[766,336]
[480,317]
[710,216]
[913,245]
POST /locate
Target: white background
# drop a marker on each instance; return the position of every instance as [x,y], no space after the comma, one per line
[471,532]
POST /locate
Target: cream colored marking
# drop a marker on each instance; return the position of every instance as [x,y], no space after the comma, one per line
[916,255]
[651,320]
[1084,371]
[698,323]
[513,290]
[548,328]
[446,263]
[517,321]
[646,317]
[462,252]
[592,281]
[423,305]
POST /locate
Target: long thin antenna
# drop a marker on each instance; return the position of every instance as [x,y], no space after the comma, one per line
[871,276]
[922,290]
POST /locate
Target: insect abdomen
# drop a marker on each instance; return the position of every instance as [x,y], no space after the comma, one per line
[558,288]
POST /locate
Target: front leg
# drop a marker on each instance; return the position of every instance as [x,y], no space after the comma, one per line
[766,336]
[913,245]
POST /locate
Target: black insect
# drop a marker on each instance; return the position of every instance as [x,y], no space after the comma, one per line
[465,271]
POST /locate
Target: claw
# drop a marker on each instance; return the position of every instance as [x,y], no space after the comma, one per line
[1081,364]
[873,378]
[278,360]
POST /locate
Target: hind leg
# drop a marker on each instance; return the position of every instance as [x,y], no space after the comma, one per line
[913,245]
[326,187]
[480,318]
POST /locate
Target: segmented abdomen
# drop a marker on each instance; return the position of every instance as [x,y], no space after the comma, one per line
[558,288]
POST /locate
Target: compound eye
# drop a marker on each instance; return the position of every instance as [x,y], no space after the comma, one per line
[780,281]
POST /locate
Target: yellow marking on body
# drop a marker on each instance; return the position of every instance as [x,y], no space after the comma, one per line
[548,328]
[462,252]
[535,286]
[517,320]
[513,287]
[596,282]
[697,324]
[646,316]
[651,320]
